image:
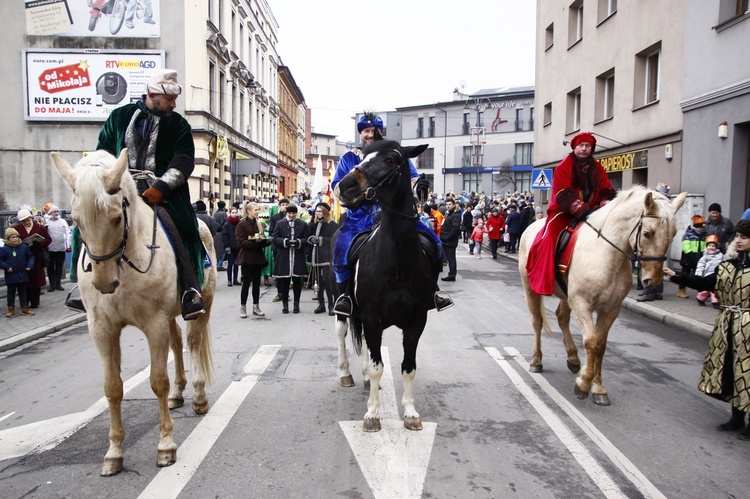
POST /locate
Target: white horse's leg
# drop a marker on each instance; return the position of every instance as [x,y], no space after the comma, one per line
[592,345]
[364,359]
[107,339]
[158,341]
[563,320]
[176,398]
[372,417]
[604,322]
[345,376]
[199,343]
[534,303]
[411,335]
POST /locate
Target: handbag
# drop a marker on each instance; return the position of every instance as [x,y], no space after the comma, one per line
[506,237]
[45,257]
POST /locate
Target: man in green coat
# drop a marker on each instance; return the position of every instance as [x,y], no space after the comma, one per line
[160,145]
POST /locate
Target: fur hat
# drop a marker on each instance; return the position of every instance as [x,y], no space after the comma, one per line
[23,214]
[164,81]
[583,137]
[291,208]
[743,227]
[714,207]
[369,119]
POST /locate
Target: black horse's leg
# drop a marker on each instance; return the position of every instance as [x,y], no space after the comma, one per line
[412,421]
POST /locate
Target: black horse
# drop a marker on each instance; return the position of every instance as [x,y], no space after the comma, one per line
[393,275]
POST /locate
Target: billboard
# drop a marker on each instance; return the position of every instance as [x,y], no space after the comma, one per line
[84,85]
[100,18]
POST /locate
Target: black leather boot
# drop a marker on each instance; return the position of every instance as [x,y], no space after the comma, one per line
[295,309]
[442,300]
[343,305]
[736,422]
[285,308]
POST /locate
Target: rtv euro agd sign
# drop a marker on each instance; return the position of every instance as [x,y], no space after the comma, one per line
[84,85]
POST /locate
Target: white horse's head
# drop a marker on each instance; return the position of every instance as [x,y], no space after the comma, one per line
[649,219]
[101,191]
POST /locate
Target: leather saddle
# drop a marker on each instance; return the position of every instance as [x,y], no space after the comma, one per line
[566,242]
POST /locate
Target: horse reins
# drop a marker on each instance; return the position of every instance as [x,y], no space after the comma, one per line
[635,256]
[371,193]
[121,249]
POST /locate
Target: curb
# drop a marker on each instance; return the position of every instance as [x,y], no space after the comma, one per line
[35,334]
[669,319]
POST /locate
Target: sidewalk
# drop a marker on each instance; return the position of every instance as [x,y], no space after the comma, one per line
[677,313]
[52,315]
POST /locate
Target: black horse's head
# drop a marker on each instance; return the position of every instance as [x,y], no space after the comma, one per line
[385,166]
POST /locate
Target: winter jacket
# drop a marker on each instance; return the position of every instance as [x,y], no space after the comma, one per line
[708,263]
[450,231]
[495,226]
[724,228]
[18,259]
[251,243]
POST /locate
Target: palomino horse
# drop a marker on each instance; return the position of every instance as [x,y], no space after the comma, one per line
[118,226]
[637,225]
[393,276]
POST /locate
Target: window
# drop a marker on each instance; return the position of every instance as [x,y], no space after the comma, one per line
[480,118]
[647,69]
[211,88]
[729,9]
[519,119]
[431,128]
[575,22]
[222,86]
[549,36]
[525,154]
[547,114]
[605,9]
[605,96]
[420,128]
[426,160]
[531,118]
[235,106]
[466,156]
[523,181]
[573,118]
[471,182]
[465,127]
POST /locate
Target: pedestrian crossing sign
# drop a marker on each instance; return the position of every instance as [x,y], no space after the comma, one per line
[541,179]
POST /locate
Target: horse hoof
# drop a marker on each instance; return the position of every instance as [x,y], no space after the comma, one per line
[200,408]
[535,369]
[367,384]
[166,458]
[414,424]
[346,380]
[371,425]
[111,466]
[600,398]
[176,402]
[574,368]
[580,393]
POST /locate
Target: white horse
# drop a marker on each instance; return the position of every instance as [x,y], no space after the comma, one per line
[119,227]
[638,224]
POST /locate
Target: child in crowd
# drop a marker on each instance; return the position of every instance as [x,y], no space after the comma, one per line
[707,264]
[477,236]
[16,261]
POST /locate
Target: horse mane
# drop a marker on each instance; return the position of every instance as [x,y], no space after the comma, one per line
[92,196]
[634,195]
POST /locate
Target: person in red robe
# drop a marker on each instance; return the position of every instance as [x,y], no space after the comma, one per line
[579,186]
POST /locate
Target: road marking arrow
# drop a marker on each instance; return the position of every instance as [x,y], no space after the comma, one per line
[394,460]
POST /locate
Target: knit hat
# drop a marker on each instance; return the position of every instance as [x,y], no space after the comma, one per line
[10,231]
[200,206]
[53,208]
[715,207]
[325,206]
[743,227]
[23,214]
[164,81]
[583,137]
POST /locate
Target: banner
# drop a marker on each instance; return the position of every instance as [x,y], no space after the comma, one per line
[100,18]
[84,85]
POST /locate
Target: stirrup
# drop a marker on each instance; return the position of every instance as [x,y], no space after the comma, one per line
[343,306]
[74,303]
[442,300]
[194,308]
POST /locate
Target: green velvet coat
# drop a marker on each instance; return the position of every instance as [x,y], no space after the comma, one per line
[174,140]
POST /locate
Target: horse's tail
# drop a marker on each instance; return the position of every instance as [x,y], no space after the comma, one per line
[355,326]
[202,328]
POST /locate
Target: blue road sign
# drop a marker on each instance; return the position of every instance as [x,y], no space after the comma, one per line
[541,179]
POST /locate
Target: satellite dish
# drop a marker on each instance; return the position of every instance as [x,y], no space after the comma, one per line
[462,85]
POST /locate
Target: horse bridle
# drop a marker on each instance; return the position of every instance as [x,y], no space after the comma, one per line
[635,257]
[371,192]
[121,249]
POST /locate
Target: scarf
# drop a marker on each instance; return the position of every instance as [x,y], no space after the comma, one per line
[142,149]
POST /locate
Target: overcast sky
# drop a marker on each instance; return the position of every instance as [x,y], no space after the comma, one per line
[348,56]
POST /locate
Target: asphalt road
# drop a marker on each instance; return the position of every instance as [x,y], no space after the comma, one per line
[281,426]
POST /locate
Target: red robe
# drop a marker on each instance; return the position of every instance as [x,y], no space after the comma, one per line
[37,277]
[574,182]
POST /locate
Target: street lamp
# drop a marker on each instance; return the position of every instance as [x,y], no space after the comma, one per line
[445,143]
